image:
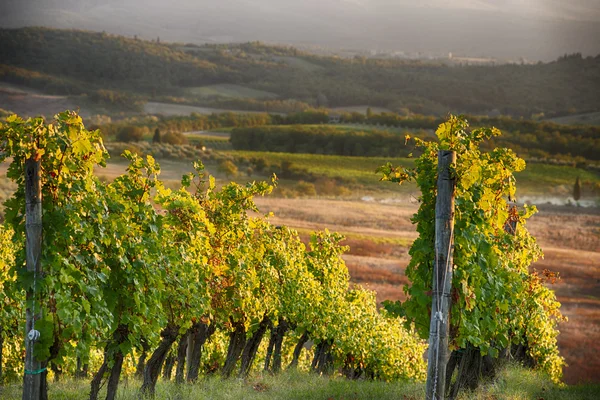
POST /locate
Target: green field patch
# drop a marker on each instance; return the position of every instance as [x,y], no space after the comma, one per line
[224,130]
[209,138]
[297,62]
[383,240]
[555,179]
[361,109]
[209,141]
[229,91]
[535,179]
[369,128]
[359,170]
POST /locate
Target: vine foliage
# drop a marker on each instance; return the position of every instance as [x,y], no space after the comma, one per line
[496,300]
[132,265]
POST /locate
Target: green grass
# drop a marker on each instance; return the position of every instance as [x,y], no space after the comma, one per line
[206,138]
[360,170]
[513,383]
[543,178]
[385,240]
[535,179]
[288,385]
[230,91]
[226,129]
[364,128]
[210,141]
[391,129]
[518,383]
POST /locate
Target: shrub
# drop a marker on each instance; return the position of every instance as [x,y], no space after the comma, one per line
[331,187]
[260,164]
[306,189]
[228,168]
[131,133]
[174,138]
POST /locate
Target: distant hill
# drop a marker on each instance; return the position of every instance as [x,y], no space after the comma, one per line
[508,29]
[74,62]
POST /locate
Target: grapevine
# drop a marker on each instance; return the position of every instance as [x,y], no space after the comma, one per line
[496,300]
[130,266]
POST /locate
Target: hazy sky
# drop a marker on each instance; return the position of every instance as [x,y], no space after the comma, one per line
[534,29]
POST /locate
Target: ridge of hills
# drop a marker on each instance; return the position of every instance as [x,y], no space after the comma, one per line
[77,62]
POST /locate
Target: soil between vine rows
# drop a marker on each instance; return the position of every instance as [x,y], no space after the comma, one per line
[379,236]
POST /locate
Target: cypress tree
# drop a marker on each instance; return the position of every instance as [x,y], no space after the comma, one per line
[156,137]
[577,190]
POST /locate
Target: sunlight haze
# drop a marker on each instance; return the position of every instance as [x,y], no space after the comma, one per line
[507,30]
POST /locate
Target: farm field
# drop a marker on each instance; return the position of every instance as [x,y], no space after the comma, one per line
[230,91]
[30,103]
[359,170]
[538,182]
[153,107]
[376,128]
[213,140]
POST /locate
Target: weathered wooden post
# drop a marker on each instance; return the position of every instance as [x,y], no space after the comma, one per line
[442,278]
[189,351]
[33,232]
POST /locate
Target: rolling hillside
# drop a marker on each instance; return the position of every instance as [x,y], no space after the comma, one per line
[69,61]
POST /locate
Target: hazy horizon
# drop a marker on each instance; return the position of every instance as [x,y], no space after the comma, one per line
[506,29]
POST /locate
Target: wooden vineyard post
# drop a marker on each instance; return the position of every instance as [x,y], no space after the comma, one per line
[189,351]
[442,278]
[33,231]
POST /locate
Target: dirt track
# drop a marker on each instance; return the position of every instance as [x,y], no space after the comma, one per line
[28,103]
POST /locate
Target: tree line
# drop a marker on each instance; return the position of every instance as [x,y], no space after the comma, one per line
[319,140]
[372,134]
[532,139]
